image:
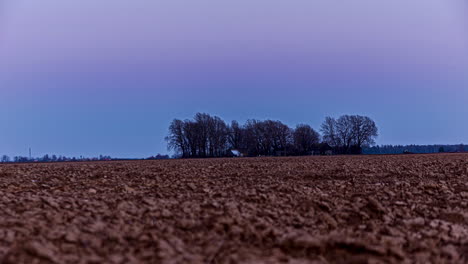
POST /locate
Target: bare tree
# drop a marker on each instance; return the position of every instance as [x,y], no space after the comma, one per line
[281,137]
[236,136]
[203,121]
[305,139]
[364,131]
[176,139]
[344,129]
[348,134]
[330,132]
[217,137]
[193,136]
[257,143]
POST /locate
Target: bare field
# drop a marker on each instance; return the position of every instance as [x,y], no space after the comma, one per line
[360,209]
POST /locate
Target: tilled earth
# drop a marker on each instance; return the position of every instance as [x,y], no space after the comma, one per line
[358,209]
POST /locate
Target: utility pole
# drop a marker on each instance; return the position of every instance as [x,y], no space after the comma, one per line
[30,156]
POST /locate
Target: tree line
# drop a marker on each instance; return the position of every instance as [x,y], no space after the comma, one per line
[418,149]
[55,158]
[51,158]
[210,136]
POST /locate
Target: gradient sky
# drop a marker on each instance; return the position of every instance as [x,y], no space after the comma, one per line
[106,77]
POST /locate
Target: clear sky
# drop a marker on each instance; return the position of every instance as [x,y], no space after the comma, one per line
[106,77]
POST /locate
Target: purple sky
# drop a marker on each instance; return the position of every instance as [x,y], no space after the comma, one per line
[106,77]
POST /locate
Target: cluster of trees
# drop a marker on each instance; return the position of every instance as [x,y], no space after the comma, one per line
[272,138]
[158,157]
[349,133]
[205,136]
[419,149]
[210,136]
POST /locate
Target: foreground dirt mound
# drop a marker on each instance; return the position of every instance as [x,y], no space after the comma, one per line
[368,209]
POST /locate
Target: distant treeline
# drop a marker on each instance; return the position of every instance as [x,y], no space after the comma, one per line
[55,158]
[210,136]
[419,149]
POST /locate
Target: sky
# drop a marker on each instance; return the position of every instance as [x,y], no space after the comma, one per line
[107,77]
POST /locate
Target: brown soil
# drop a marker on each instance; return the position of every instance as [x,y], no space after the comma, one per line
[366,209]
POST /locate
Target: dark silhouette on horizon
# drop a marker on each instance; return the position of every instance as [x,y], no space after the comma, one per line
[55,158]
[208,136]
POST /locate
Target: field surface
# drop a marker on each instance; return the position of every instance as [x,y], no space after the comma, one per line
[359,209]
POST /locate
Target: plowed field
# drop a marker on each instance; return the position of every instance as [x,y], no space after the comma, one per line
[359,209]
